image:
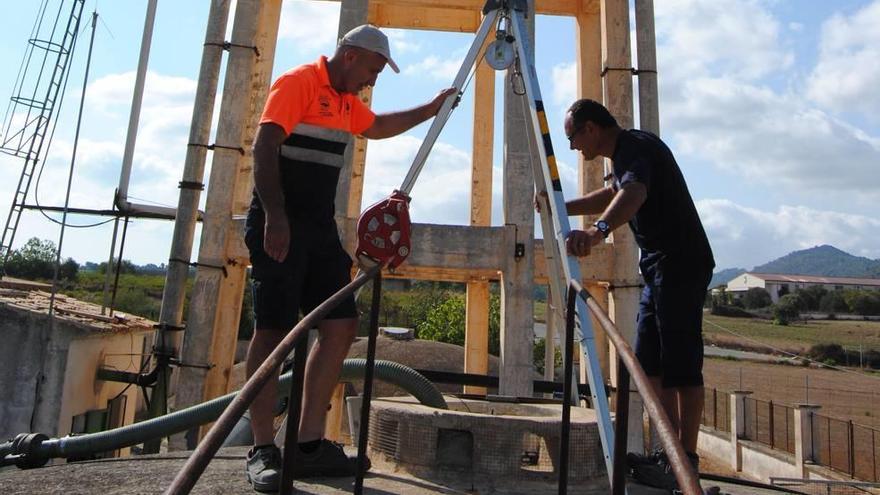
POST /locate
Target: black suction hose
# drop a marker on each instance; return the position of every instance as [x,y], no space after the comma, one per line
[29,450]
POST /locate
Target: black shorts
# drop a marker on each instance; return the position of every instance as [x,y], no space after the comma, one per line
[669,336]
[316,267]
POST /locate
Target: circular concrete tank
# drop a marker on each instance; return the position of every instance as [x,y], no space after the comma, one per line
[501,442]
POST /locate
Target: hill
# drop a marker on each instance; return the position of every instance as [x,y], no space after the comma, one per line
[724,276]
[823,260]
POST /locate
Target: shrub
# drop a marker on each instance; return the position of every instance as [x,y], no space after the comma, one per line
[786,310]
[756,297]
[825,353]
[833,302]
[730,311]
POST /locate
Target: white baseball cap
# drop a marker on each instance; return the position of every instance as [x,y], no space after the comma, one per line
[369,37]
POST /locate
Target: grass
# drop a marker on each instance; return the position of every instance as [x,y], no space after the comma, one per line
[796,337]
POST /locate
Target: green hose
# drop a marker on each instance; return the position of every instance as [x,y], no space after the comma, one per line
[81,445]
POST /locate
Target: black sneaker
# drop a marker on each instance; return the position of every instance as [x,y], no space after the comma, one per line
[328,460]
[264,468]
[634,459]
[660,474]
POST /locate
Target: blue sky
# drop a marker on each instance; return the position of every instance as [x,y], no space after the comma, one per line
[770,107]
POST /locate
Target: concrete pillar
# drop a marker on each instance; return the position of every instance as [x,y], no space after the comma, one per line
[803,435]
[517,279]
[737,425]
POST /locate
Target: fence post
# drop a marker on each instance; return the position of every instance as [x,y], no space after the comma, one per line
[715,408]
[852,456]
[803,435]
[737,426]
[772,429]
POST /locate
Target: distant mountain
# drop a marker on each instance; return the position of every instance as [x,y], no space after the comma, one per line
[724,276]
[825,261]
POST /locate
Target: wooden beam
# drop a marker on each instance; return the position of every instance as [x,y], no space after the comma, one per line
[349,189]
[420,17]
[481,264]
[617,83]
[476,337]
[212,330]
[548,7]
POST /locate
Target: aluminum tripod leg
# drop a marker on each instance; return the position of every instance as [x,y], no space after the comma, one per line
[549,181]
[446,109]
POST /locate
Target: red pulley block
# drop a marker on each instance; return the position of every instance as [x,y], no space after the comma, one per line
[383,231]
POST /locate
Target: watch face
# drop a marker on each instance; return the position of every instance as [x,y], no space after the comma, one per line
[603,227]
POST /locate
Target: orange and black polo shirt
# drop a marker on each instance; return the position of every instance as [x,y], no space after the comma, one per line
[320,123]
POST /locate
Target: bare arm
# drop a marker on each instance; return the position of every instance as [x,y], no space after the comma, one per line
[622,208]
[391,124]
[592,203]
[267,180]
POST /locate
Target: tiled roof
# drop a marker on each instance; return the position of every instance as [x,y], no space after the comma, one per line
[811,279]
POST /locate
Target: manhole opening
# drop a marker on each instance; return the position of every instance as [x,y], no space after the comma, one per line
[455,448]
[535,454]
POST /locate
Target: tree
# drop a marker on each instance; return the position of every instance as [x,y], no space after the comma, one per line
[68,270]
[126,267]
[862,302]
[786,309]
[832,303]
[812,296]
[538,355]
[445,322]
[757,297]
[36,259]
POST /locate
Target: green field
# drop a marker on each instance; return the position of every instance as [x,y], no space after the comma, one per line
[796,337]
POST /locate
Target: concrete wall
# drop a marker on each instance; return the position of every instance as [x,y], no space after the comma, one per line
[756,461]
[48,375]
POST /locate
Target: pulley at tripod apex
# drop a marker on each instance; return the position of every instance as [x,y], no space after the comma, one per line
[383,231]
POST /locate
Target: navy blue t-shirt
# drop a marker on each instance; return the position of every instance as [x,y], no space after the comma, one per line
[667,228]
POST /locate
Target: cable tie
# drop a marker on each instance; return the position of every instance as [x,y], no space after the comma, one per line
[226,45]
[188,184]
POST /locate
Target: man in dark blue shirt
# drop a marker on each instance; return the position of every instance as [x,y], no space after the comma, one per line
[650,193]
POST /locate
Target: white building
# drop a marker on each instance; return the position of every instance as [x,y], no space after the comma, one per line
[778,285]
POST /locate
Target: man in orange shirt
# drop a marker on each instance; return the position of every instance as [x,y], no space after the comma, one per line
[297,260]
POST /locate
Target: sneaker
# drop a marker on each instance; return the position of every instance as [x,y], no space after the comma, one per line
[264,468]
[634,459]
[328,460]
[660,474]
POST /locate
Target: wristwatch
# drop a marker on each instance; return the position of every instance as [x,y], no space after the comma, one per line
[603,227]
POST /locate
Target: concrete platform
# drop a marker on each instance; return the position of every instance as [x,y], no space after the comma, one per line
[225,475]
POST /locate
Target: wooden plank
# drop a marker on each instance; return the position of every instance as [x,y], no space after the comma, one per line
[476,358]
[210,334]
[476,338]
[549,7]
[623,300]
[649,114]
[336,414]
[349,190]
[428,18]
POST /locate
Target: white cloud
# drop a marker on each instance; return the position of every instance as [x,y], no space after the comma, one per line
[745,237]
[718,108]
[771,138]
[310,26]
[443,69]
[564,84]
[442,191]
[738,38]
[402,42]
[847,75]
[114,90]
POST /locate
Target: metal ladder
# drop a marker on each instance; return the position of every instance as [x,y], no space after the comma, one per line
[27,141]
